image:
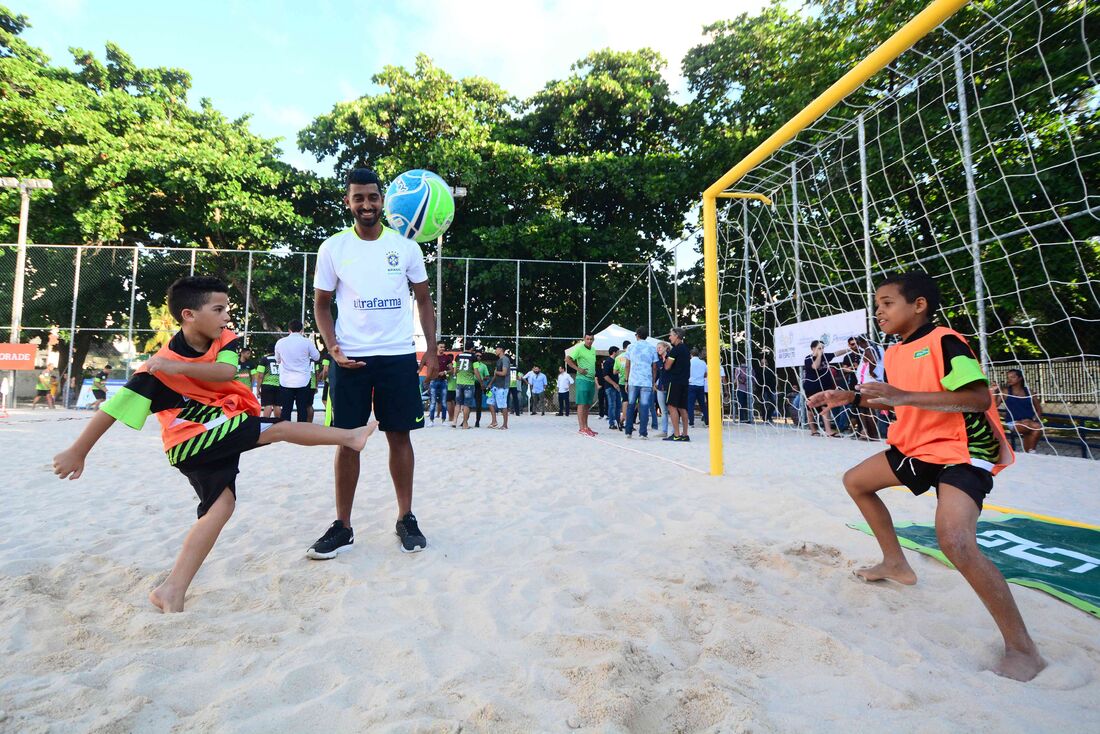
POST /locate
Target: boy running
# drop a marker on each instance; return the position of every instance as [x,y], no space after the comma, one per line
[208,419]
[948,435]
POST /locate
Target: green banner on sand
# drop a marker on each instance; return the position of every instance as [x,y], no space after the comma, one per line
[1062,560]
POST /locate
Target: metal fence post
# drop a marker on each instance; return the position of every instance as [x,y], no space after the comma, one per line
[517,311]
[439,287]
[971,207]
[649,295]
[130,326]
[466,305]
[192,262]
[72,325]
[584,298]
[248,295]
[305,273]
[866,218]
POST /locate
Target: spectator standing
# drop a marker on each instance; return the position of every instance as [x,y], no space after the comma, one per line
[465,382]
[661,391]
[641,375]
[697,387]
[513,384]
[612,389]
[582,358]
[499,399]
[678,364]
[437,385]
[44,388]
[742,390]
[481,387]
[295,355]
[536,389]
[267,372]
[564,382]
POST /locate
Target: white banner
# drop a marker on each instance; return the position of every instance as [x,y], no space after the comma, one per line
[792,343]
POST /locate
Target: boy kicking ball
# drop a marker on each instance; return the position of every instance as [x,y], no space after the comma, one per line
[948,435]
[208,419]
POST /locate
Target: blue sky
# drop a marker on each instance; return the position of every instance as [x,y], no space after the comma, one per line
[287,62]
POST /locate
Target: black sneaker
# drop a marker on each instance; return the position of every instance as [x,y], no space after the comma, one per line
[412,540]
[336,540]
[671,438]
[683,438]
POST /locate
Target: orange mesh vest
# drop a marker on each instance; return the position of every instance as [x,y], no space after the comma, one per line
[929,435]
[232,397]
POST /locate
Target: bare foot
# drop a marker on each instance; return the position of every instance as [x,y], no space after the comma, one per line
[166,600]
[903,573]
[1021,666]
[360,435]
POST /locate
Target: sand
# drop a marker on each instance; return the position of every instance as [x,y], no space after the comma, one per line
[570,584]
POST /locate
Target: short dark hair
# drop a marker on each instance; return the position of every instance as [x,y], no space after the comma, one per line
[695,351]
[642,333]
[613,350]
[192,292]
[294,325]
[626,343]
[916,284]
[468,344]
[815,343]
[363,176]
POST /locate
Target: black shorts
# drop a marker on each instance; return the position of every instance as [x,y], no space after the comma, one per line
[214,470]
[452,395]
[269,395]
[99,394]
[677,397]
[920,476]
[387,385]
[41,393]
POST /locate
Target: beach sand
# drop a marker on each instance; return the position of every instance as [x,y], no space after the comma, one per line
[569,584]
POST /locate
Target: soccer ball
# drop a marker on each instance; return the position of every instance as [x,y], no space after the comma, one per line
[419,205]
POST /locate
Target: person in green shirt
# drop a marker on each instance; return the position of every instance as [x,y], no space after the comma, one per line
[452,387]
[466,376]
[246,369]
[582,358]
[268,374]
[99,387]
[480,386]
[44,388]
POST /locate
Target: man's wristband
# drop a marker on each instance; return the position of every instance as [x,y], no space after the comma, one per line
[856,399]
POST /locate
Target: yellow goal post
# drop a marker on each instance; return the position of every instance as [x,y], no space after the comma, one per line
[920,26]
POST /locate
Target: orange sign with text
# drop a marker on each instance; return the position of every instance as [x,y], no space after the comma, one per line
[17,356]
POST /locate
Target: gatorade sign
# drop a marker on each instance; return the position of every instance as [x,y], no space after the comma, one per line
[17,356]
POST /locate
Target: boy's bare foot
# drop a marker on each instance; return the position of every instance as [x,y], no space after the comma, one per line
[903,574]
[1019,665]
[360,435]
[166,600]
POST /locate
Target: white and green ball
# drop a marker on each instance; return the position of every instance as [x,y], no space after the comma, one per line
[419,205]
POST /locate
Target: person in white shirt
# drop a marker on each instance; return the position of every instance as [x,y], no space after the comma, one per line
[564,382]
[697,387]
[295,355]
[367,271]
[536,383]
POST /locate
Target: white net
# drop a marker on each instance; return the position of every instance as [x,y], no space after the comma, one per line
[975,157]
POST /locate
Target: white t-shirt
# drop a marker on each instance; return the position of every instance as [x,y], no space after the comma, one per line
[564,381]
[698,375]
[296,356]
[371,282]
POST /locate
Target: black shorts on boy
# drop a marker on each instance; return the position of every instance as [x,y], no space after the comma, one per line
[388,386]
[920,476]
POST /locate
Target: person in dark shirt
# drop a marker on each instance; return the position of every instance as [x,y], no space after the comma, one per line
[678,364]
[817,376]
[612,391]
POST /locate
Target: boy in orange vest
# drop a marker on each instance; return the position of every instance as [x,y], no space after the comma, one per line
[208,419]
[948,435]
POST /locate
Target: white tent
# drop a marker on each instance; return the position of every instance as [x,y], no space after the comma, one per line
[614,336]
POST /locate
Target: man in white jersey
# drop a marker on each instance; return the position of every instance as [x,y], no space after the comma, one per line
[367,271]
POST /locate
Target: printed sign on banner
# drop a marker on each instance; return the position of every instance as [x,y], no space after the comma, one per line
[792,342]
[17,356]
